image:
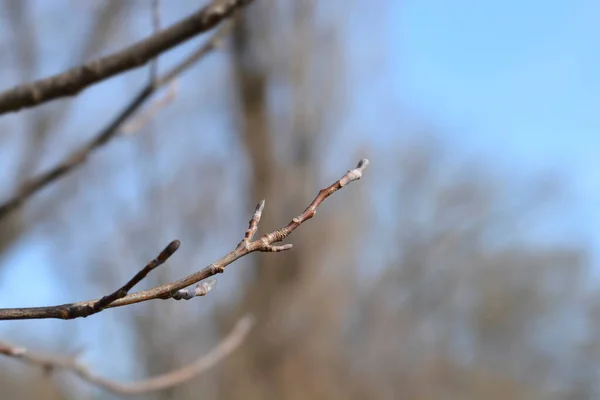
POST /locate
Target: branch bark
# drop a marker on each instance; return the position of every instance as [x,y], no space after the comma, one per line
[176,289]
[76,79]
[170,379]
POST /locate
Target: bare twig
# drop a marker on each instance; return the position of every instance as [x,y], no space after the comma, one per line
[80,155]
[76,79]
[167,291]
[160,382]
[253,226]
[143,118]
[122,292]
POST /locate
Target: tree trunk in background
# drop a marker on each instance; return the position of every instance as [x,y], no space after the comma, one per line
[287,68]
[288,184]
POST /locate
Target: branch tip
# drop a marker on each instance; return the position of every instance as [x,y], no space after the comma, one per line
[363,164]
[169,250]
[260,206]
[253,224]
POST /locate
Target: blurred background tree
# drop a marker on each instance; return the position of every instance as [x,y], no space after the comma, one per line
[433,279]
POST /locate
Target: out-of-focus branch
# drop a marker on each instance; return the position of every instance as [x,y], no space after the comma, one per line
[76,79]
[176,289]
[80,155]
[143,118]
[160,382]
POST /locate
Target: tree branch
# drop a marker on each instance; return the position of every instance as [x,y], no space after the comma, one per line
[176,289]
[122,292]
[136,124]
[76,79]
[80,155]
[160,382]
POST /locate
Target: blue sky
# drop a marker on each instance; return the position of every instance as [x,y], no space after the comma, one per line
[522,77]
[517,83]
[514,83]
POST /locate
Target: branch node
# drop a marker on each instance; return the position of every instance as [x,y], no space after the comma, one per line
[218,269]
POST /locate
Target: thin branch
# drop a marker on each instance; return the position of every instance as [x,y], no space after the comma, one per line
[253,225]
[79,156]
[169,290]
[122,292]
[143,118]
[160,382]
[76,79]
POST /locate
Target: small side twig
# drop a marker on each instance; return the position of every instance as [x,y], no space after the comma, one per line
[79,156]
[253,225]
[170,379]
[122,292]
[247,245]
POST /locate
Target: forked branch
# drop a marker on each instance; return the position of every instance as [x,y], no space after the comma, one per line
[177,289]
[80,155]
[160,382]
[76,79]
